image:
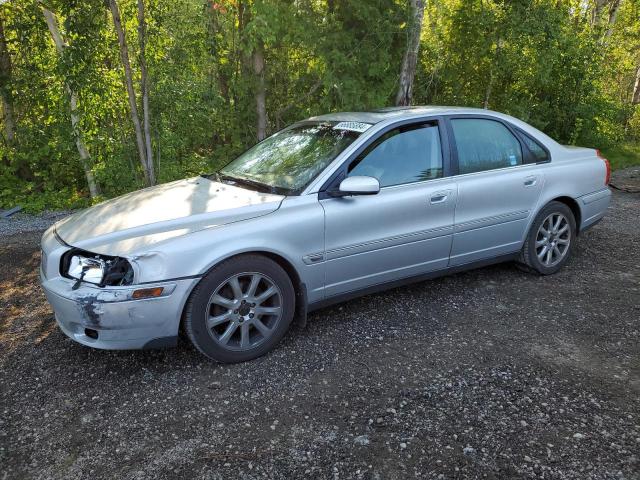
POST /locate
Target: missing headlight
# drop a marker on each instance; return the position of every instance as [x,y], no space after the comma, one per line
[119,272]
[101,270]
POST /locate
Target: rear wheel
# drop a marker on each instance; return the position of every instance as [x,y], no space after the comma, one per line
[241,309]
[550,240]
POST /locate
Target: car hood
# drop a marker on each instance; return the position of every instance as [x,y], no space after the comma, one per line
[140,219]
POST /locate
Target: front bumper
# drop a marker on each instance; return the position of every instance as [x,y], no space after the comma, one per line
[115,320]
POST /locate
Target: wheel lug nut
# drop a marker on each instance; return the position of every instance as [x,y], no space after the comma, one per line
[235,311]
[251,315]
[253,304]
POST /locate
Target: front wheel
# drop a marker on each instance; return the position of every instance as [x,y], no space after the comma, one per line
[550,240]
[241,309]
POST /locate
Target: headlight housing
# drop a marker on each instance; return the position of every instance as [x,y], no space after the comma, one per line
[87,269]
[101,270]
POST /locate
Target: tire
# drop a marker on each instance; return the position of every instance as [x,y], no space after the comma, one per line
[534,256]
[226,317]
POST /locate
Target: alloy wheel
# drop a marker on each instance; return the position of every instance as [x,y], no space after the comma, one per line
[244,311]
[553,239]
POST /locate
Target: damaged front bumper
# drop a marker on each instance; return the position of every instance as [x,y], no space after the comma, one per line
[109,318]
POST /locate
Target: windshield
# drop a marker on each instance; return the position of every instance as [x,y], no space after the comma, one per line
[288,160]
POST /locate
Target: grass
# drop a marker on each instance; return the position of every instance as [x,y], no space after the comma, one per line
[623,155]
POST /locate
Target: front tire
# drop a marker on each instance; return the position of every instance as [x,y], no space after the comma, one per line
[240,310]
[550,240]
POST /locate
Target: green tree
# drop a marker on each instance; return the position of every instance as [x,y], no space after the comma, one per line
[145,91]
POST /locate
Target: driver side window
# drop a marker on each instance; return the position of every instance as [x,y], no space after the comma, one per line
[403,155]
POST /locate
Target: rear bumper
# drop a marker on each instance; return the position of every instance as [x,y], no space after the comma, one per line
[107,318]
[593,207]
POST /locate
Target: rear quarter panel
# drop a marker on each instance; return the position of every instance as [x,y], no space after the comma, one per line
[580,174]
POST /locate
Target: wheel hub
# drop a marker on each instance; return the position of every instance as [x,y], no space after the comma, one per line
[244,310]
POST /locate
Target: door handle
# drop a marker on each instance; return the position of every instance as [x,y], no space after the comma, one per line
[439,197]
[530,181]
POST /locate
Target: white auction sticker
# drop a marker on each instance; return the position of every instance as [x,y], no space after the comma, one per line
[352,126]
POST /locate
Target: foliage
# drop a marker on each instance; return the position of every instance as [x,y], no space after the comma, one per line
[531,59]
[544,61]
[624,155]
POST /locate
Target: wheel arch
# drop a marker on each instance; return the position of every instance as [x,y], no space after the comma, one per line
[573,205]
[299,287]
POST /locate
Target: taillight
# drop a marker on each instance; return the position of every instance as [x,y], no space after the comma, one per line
[607,166]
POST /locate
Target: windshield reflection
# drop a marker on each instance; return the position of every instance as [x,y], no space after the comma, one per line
[288,160]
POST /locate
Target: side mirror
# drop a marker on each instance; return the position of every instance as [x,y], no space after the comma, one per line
[358,185]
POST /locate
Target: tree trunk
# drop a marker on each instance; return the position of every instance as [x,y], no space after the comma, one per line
[128,76]
[487,92]
[5,87]
[410,59]
[219,74]
[489,89]
[144,87]
[636,88]
[613,16]
[596,14]
[261,107]
[85,157]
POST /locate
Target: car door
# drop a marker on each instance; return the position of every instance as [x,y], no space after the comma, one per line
[404,230]
[498,188]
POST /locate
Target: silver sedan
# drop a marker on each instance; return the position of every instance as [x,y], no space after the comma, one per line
[329,208]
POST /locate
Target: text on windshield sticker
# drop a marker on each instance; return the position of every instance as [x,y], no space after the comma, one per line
[352,126]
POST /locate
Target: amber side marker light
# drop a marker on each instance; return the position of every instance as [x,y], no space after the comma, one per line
[148,292]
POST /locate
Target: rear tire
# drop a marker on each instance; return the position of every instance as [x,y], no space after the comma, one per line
[550,240]
[240,310]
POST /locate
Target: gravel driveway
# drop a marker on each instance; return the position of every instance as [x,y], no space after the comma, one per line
[492,373]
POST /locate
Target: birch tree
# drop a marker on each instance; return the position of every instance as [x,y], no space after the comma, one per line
[410,59]
[143,144]
[85,157]
[636,89]
[613,15]
[144,88]
[596,13]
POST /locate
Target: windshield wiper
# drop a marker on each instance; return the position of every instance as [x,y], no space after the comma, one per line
[261,187]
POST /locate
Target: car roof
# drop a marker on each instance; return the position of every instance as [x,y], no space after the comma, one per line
[379,115]
[400,113]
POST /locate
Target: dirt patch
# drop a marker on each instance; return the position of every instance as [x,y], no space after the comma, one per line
[488,374]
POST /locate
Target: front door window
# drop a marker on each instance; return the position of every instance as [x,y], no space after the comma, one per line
[403,155]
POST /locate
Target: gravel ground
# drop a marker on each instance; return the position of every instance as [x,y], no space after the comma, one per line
[492,373]
[25,223]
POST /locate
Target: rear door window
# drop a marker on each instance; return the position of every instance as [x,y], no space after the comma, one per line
[484,144]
